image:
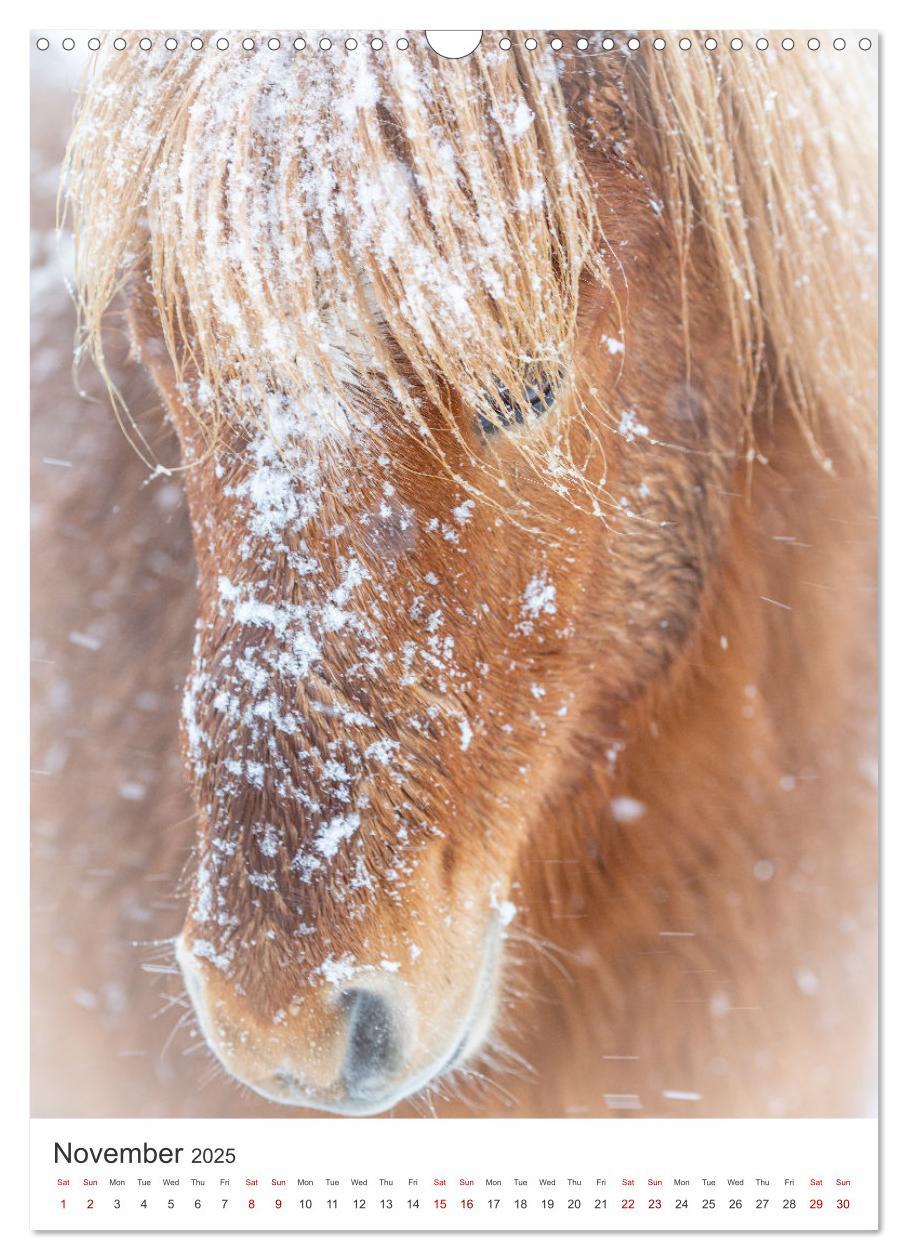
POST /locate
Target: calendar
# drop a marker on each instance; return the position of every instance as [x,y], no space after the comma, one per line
[454,630]
[562,1175]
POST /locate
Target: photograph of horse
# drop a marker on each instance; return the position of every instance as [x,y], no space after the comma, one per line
[454,577]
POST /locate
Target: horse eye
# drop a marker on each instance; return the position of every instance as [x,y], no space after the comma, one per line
[538,397]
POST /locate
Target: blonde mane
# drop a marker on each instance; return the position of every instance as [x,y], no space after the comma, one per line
[772,157]
[362,233]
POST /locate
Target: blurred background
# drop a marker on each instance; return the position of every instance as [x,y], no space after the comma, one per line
[112,611]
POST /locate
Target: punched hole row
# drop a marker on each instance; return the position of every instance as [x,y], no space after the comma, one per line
[376,44]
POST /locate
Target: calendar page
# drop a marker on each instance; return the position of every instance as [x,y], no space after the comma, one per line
[454,630]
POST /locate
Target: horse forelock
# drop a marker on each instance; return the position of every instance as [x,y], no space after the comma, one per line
[357,235]
[394,232]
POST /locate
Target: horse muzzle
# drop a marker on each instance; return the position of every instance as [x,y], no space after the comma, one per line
[353,1049]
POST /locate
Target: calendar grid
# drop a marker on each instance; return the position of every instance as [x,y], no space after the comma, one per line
[477,1175]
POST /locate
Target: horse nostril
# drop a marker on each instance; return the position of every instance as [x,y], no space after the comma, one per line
[372,1045]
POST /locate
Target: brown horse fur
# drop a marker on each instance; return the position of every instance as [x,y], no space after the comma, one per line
[614,664]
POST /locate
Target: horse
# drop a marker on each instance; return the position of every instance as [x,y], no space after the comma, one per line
[525,408]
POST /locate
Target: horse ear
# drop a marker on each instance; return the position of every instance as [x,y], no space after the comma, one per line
[595,104]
